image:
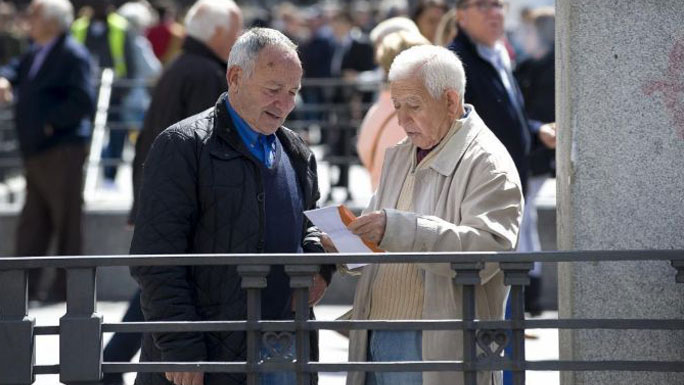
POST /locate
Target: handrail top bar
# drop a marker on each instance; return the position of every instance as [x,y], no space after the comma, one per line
[12,263]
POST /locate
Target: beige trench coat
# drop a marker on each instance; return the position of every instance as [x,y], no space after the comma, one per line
[469,199]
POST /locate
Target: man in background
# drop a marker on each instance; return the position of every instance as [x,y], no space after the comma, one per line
[54,106]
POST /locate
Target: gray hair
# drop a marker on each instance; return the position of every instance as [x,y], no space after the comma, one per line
[439,68]
[138,15]
[391,25]
[249,44]
[206,15]
[60,11]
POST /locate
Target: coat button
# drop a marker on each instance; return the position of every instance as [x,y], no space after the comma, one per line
[260,197]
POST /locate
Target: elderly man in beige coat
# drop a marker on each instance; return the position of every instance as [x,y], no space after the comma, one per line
[450,186]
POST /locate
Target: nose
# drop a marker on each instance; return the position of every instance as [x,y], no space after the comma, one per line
[402,117]
[285,102]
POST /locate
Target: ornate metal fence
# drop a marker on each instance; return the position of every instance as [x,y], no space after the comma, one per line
[80,329]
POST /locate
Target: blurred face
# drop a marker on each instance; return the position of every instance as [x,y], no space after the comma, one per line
[41,31]
[424,119]
[428,20]
[265,98]
[482,20]
[224,38]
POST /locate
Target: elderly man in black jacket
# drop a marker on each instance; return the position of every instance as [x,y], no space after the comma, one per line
[228,180]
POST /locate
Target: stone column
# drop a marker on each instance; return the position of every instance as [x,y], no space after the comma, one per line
[620,103]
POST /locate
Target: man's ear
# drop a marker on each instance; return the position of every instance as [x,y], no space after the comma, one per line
[453,104]
[233,76]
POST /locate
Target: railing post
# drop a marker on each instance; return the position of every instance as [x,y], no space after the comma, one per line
[253,280]
[80,330]
[17,342]
[516,274]
[468,275]
[679,265]
[300,280]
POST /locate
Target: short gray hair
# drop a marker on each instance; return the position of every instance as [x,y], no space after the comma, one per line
[60,11]
[249,44]
[439,68]
[206,15]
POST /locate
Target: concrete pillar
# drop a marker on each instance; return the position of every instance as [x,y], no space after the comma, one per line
[620,103]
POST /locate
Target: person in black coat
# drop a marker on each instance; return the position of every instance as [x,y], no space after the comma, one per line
[491,87]
[193,81]
[55,103]
[230,179]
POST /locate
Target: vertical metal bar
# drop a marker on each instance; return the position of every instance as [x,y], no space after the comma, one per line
[518,314]
[80,331]
[300,280]
[469,335]
[516,274]
[468,275]
[17,341]
[253,280]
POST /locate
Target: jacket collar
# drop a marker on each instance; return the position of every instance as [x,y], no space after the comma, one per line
[225,129]
[450,155]
[194,46]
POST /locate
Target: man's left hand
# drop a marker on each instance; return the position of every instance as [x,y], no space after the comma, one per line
[370,227]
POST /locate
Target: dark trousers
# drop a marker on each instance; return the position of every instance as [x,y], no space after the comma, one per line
[123,346]
[114,148]
[53,208]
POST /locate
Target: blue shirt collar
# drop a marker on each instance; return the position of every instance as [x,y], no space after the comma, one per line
[259,145]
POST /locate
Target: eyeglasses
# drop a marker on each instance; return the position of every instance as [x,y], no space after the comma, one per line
[484,6]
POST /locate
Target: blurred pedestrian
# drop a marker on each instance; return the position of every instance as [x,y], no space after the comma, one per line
[194,80]
[353,56]
[427,15]
[111,45]
[139,16]
[54,107]
[12,41]
[166,36]
[536,77]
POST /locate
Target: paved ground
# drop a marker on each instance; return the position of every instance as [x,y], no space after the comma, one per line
[333,345]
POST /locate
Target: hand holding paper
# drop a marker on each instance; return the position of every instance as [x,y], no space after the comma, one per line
[333,221]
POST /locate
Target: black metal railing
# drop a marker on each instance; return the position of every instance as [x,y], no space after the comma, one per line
[80,329]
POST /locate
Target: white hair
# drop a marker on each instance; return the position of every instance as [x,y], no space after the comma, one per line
[249,44]
[138,15]
[439,68]
[206,15]
[60,11]
[394,24]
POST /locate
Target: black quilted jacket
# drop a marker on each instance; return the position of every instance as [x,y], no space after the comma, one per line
[202,193]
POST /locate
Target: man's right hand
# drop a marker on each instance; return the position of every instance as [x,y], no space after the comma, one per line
[185,378]
[5,91]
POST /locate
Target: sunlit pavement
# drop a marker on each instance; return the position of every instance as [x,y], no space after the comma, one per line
[333,346]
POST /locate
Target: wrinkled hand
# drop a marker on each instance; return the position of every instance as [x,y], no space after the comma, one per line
[328,244]
[370,227]
[185,378]
[547,135]
[317,290]
[5,91]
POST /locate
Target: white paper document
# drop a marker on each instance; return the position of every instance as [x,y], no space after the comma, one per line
[329,221]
